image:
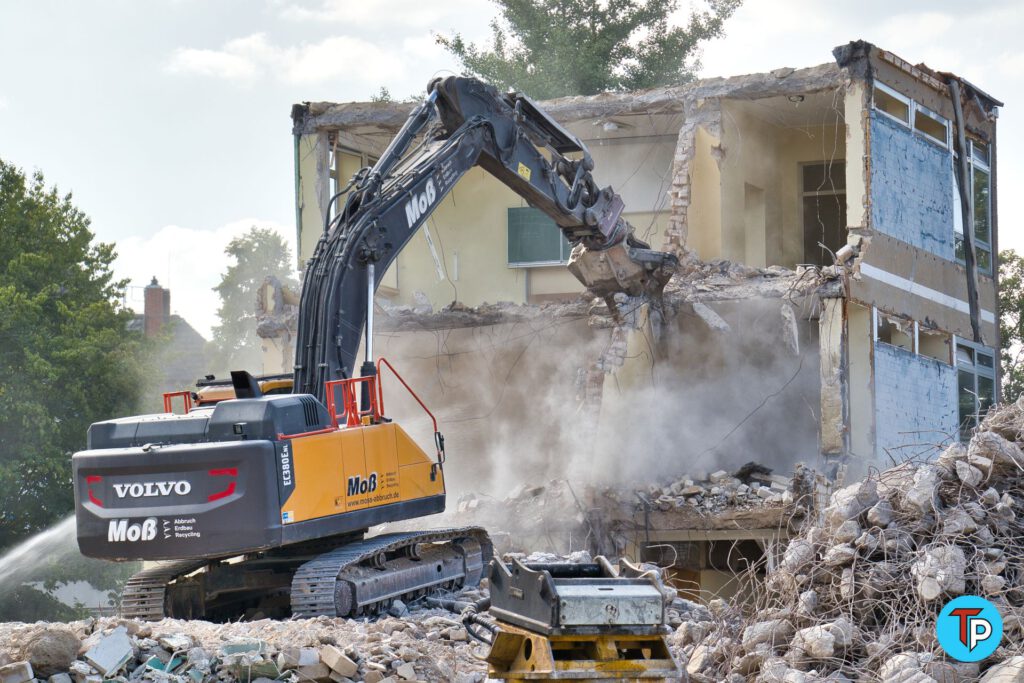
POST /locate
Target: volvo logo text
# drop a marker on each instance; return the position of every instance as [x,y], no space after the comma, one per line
[152,489]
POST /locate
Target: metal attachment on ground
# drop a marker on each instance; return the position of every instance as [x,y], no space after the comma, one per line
[564,621]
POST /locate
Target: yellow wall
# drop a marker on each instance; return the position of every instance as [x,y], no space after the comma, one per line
[704,218]
[862,410]
[767,157]
[856,171]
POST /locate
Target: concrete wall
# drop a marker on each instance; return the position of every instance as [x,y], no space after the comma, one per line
[915,403]
[911,187]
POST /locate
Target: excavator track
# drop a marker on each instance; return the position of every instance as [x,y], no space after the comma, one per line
[355,579]
[145,593]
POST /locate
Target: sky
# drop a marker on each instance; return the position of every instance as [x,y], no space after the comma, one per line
[169,120]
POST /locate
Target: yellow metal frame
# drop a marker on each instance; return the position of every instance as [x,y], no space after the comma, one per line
[518,654]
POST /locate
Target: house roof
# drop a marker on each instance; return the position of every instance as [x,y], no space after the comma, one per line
[389,116]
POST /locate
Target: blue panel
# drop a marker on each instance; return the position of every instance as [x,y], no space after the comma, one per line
[915,403]
[911,187]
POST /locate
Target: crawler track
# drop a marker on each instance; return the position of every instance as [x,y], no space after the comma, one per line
[337,582]
[359,577]
[145,593]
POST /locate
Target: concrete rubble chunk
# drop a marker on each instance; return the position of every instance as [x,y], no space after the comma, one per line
[968,473]
[111,653]
[981,463]
[774,631]
[177,642]
[798,553]
[18,672]
[59,678]
[824,641]
[1008,671]
[999,450]
[849,502]
[710,317]
[940,571]
[881,514]
[957,522]
[297,657]
[847,532]
[314,672]
[990,497]
[52,650]
[840,555]
[338,661]
[808,602]
[406,672]
[922,492]
[814,642]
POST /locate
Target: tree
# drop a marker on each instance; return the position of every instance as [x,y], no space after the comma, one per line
[552,48]
[1011,323]
[66,357]
[258,253]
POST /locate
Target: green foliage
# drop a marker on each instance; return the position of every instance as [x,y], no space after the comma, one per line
[382,95]
[66,359]
[552,48]
[258,253]
[1011,323]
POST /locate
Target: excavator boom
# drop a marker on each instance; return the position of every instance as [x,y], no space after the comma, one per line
[461,124]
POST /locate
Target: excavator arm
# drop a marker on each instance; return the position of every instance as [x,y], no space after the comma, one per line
[462,123]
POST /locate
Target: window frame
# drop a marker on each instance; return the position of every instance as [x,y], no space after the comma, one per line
[891,92]
[974,162]
[976,370]
[913,108]
[534,264]
[829,190]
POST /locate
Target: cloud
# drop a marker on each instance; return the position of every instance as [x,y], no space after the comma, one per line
[3,104]
[254,57]
[189,262]
[400,13]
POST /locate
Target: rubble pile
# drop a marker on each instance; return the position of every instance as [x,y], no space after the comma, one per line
[418,645]
[561,518]
[752,485]
[854,596]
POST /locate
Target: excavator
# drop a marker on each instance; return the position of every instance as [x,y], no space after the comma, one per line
[256,498]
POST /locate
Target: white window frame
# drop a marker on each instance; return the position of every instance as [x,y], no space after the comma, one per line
[913,107]
[909,123]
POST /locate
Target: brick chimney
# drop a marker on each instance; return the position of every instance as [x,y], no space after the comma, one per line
[157,311]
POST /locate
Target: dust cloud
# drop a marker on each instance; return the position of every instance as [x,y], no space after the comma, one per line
[509,399]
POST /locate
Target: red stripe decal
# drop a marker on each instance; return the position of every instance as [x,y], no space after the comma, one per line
[96,501]
[222,494]
[227,471]
[93,479]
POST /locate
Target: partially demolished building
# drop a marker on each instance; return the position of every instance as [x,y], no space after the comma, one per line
[836,303]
